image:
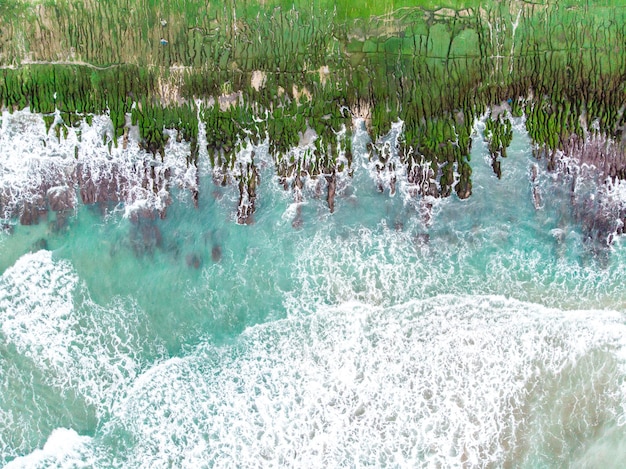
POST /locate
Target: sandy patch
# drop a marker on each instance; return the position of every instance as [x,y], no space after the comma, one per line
[258,80]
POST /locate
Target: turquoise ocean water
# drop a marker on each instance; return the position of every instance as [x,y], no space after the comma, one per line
[490,335]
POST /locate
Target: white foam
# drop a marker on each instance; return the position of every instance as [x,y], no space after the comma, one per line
[615,193]
[66,351]
[299,160]
[381,266]
[64,449]
[440,382]
[33,159]
[30,159]
[394,172]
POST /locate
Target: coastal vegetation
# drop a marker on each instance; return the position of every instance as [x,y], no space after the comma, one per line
[297,73]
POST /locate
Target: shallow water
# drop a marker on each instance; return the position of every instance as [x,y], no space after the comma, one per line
[492,336]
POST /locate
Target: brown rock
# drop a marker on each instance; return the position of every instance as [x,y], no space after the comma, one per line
[193,260]
[61,198]
[216,253]
[332,188]
[32,212]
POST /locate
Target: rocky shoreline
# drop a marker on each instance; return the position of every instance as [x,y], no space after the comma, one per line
[61,173]
[114,130]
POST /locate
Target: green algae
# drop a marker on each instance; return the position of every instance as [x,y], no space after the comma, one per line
[436,69]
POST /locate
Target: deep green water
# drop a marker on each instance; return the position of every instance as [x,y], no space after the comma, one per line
[493,335]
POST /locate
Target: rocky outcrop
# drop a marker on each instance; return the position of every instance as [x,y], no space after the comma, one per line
[248,183]
[588,168]
[332,189]
[33,211]
[145,235]
[105,185]
[61,198]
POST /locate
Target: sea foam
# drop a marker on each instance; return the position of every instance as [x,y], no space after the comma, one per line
[447,381]
[35,160]
[64,449]
[66,352]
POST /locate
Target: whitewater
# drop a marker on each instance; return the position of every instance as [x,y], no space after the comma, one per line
[398,331]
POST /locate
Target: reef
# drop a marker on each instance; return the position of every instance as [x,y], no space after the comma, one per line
[302,79]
